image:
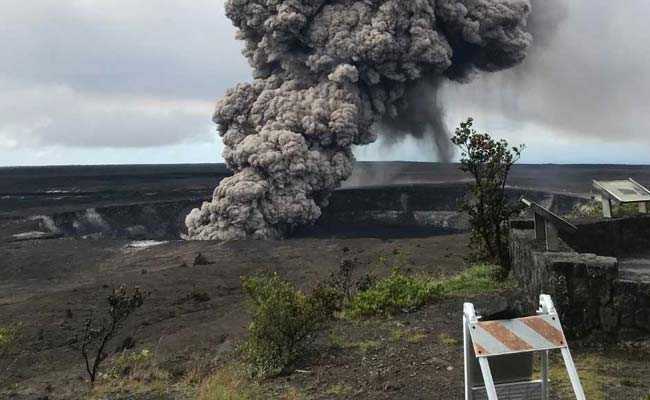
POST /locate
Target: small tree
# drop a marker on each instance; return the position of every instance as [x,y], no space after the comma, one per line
[489,161]
[98,333]
[342,281]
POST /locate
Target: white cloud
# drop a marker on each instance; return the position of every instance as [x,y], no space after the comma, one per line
[168,48]
[113,74]
[57,115]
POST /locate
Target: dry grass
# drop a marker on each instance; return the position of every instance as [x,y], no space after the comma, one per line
[412,336]
[603,376]
[229,383]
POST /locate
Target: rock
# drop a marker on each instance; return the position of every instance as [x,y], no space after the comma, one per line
[392,387]
[201,260]
[608,319]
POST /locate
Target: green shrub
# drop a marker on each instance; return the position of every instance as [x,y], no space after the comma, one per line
[395,293]
[10,350]
[285,322]
[594,209]
[482,278]
[402,293]
[9,337]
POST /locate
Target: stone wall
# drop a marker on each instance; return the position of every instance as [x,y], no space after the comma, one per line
[616,237]
[591,300]
[632,305]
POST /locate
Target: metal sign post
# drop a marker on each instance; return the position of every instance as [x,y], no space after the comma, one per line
[547,225]
[489,339]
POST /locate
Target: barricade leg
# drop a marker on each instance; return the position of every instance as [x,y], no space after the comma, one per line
[544,378]
[573,374]
[467,359]
[487,378]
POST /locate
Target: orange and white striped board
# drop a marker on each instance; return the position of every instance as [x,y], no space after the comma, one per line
[537,333]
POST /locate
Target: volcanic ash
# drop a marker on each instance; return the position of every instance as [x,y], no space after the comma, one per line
[325,73]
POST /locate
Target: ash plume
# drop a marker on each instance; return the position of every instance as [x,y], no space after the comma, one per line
[327,73]
[422,117]
[585,82]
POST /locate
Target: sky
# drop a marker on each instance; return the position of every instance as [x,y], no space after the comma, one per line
[122,82]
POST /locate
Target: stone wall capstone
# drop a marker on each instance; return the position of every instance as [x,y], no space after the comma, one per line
[592,301]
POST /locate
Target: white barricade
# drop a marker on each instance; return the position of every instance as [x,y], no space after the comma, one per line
[505,339]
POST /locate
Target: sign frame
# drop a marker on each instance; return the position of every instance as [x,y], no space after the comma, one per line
[546,312]
[609,192]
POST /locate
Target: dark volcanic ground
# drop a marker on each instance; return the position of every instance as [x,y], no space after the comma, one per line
[51,286]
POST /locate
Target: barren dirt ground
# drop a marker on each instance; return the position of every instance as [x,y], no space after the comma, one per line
[50,286]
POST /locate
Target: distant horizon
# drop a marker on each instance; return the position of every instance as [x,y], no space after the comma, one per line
[360,161]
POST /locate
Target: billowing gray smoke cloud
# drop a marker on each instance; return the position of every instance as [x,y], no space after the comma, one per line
[326,72]
[422,118]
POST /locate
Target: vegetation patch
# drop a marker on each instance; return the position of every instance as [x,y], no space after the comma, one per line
[229,384]
[400,292]
[130,363]
[603,376]
[593,377]
[448,340]
[482,278]
[340,391]
[8,337]
[366,346]
[413,336]
[284,322]
[363,346]
[396,293]
[594,209]
[9,348]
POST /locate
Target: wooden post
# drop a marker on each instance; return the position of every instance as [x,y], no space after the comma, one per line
[643,207]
